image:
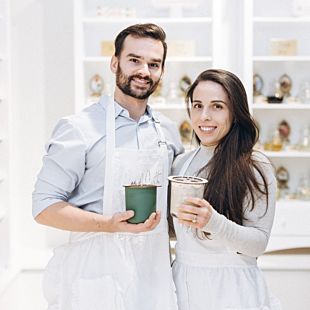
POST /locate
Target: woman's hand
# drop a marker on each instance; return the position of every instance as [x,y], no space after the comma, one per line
[194,212]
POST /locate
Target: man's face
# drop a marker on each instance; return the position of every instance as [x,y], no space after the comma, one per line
[139,67]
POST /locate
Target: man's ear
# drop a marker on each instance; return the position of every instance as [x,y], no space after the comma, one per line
[114,64]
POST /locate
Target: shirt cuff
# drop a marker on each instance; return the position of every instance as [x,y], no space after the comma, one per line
[213,226]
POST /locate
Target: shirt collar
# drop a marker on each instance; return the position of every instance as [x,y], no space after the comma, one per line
[121,111]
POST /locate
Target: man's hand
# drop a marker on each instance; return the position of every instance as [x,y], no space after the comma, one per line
[118,222]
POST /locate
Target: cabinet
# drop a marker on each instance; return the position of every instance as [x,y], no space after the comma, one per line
[6,226]
[98,22]
[234,35]
[278,45]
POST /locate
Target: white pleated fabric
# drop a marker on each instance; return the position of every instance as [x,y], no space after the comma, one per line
[117,271]
[220,281]
[210,276]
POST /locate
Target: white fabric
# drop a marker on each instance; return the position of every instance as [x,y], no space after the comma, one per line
[77,149]
[118,271]
[208,273]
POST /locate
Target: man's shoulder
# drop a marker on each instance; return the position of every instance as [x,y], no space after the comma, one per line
[89,115]
[89,122]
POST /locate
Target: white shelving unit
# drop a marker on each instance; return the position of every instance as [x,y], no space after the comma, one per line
[234,35]
[279,22]
[91,30]
[7,268]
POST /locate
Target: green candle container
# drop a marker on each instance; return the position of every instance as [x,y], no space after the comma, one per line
[142,200]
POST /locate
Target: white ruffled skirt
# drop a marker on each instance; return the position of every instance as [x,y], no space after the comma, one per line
[102,271]
[220,282]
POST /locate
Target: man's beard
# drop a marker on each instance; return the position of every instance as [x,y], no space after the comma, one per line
[123,82]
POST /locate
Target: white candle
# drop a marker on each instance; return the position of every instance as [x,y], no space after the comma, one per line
[183,187]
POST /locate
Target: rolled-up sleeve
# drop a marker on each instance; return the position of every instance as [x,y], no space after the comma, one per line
[63,167]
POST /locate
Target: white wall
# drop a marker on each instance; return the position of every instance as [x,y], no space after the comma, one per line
[42,71]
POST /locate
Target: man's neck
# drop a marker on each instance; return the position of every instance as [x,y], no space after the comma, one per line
[135,107]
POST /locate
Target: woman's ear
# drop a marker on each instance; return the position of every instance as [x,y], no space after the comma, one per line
[114,64]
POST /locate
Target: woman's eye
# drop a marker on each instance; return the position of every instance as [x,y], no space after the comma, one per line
[197,106]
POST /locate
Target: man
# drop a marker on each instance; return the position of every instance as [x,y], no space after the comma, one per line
[110,263]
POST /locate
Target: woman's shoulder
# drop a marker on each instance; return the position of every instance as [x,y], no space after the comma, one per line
[180,160]
[261,160]
[260,157]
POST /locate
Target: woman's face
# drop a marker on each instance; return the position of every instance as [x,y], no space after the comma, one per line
[210,116]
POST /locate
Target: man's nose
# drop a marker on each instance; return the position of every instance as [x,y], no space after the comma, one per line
[144,70]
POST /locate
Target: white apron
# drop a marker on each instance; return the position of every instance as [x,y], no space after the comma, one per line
[213,277]
[117,271]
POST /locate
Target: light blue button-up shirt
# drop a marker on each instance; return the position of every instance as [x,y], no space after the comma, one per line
[74,167]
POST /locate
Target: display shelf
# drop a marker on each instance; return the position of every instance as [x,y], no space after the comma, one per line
[281,58]
[2,214]
[251,37]
[90,34]
[168,106]
[287,154]
[292,203]
[280,106]
[185,20]
[202,59]
[7,266]
[290,228]
[6,276]
[276,19]
[284,262]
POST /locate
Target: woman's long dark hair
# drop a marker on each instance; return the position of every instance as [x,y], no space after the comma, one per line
[231,170]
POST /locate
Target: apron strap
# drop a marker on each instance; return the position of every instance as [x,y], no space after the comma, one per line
[188,162]
[110,149]
[163,147]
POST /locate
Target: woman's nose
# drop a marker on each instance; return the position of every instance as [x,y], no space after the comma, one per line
[205,114]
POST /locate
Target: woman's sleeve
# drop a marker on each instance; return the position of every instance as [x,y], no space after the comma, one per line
[63,167]
[252,238]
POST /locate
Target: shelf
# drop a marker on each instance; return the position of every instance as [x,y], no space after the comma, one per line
[293,204]
[6,276]
[281,58]
[260,19]
[107,20]
[167,106]
[284,262]
[2,215]
[280,106]
[169,59]
[287,154]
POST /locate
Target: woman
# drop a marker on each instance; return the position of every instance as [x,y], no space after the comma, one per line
[220,236]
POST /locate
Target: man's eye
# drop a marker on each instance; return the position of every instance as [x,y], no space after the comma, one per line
[134,60]
[154,65]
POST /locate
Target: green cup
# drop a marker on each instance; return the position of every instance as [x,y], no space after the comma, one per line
[142,200]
